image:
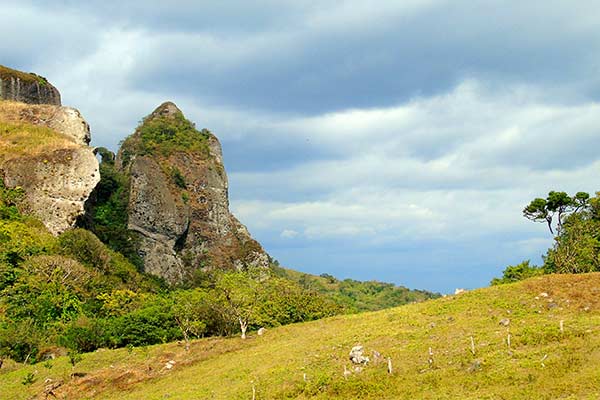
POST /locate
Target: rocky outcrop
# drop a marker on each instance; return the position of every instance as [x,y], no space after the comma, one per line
[56,183]
[27,88]
[178,199]
[44,150]
[65,120]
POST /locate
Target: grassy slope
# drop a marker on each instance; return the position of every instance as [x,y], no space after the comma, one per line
[275,363]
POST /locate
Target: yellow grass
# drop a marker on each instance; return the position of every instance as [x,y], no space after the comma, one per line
[542,362]
[19,134]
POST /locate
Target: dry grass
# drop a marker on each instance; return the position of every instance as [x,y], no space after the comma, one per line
[22,131]
[541,363]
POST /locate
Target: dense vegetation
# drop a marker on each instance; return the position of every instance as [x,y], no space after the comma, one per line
[106,210]
[575,223]
[75,292]
[165,135]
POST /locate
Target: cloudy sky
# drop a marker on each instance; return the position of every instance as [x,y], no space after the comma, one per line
[388,140]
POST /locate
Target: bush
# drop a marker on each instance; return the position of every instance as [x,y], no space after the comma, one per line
[515,273]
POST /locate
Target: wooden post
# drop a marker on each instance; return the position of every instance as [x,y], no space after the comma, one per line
[472,345]
[253,392]
[389,365]
[562,326]
[430,358]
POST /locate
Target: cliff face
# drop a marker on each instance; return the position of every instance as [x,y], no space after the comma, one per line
[27,88]
[178,199]
[44,150]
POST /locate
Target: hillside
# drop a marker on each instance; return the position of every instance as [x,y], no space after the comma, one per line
[540,361]
[353,295]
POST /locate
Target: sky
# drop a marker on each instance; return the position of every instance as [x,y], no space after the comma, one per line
[385,140]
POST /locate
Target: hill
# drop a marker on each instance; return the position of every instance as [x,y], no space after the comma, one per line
[353,295]
[448,348]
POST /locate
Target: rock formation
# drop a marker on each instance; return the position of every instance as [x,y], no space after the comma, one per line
[178,199]
[44,151]
[27,88]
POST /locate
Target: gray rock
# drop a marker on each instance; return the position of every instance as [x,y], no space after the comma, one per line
[27,88]
[184,228]
[356,356]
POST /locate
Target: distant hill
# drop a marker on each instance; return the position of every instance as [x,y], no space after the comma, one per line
[356,296]
[536,339]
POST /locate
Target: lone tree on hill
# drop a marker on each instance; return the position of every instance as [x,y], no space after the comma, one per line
[554,208]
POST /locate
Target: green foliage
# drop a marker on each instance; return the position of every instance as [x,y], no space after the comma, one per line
[106,211]
[576,246]
[28,379]
[515,273]
[178,178]
[166,135]
[557,204]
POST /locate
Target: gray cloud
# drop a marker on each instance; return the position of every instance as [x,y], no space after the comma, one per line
[379,140]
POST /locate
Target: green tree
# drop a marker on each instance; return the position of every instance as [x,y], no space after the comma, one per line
[514,273]
[241,292]
[191,309]
[555,208]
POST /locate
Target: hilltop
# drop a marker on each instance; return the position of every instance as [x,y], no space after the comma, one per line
[538,361]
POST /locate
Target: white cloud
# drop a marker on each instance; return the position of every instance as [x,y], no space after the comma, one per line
[288,234]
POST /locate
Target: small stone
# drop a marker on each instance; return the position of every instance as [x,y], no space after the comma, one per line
[543,294]
[505,322]
[261,331]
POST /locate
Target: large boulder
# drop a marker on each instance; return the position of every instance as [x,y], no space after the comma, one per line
[44,150]
[178,199]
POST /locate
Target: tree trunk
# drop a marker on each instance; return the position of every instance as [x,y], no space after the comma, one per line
[243,327]
[186,337]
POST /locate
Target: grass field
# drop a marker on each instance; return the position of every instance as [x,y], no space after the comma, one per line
[471,357]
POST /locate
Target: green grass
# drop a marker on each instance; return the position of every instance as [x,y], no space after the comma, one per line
[541,363]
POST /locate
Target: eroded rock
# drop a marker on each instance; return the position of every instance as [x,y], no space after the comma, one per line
[179,204]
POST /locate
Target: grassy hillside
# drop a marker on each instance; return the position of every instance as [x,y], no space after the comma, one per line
[541,362]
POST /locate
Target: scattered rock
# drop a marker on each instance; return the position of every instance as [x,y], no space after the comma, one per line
[543,294]
[586,308]
[459,291]
[170,364]
[356,356]
[261,331]
[552,305]
[505,322]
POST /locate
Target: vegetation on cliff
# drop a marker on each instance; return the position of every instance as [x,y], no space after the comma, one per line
[7,73]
